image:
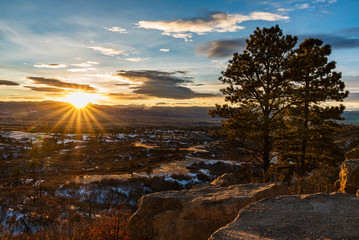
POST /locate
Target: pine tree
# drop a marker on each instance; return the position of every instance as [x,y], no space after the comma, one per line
[258,91]
[307,139]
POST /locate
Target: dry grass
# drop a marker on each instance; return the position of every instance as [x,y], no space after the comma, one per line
[112,225]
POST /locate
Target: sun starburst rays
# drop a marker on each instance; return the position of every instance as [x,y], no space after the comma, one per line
[81,99]
[75,116]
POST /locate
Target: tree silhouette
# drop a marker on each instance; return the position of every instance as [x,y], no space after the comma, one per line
[258,90]
[279,98]
[307,138]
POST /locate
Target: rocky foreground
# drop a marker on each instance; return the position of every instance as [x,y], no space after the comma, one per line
[194,214]
[317,216]
[264,213]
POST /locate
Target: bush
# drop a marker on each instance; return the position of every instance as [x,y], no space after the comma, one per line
[112,226]
[321,179]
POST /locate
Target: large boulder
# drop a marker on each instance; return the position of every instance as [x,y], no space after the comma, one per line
[349,176]
[317,216]
[194,214]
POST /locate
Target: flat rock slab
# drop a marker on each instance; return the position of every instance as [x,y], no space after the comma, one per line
[194,214]
[317,216]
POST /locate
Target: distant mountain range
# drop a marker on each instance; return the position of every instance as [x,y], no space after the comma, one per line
[50,112]
[351,117]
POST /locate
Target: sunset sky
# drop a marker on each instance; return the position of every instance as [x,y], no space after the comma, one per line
[154,52]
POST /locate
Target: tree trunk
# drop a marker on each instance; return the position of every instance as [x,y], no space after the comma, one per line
[266,154]
[304,140]
[302,157]
[266,146]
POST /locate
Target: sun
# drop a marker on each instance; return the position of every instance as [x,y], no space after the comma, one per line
[80,99]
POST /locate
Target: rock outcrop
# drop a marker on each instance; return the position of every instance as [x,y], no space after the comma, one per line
[317,216]
[349,176]
[194,214]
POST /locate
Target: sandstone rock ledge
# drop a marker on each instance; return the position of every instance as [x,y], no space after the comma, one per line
[194,214]
[317,216]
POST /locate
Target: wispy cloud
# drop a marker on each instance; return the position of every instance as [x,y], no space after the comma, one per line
[77,70]
[61,84]
[11,98]
[325,1]
[127,96]
[221,48]
[216,22]
[23,43]
[285,9]
[8,83]
[45,89]
[85,64]
[164,50]
[284,6]
[220,63]
[116,29]
[302,6]
[186,36]
[162,84]
[136,59]
[108,51]
[52,65]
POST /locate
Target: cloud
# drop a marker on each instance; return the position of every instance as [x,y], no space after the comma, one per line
[8,83]
[351,83]
[352,97]
[77,70]
[186,36]
[215,22]
[350,32]
[127,96]
[85,64]
[337,41]
[222,48]
[164,50]
[220,63]
[23,44]
[124,84]
[45,89]
[344,39]
[108,51]
[161,103]
[136,59]
[116,29]
[10,98]
[302,6]
[285,9]
[58,83]
[162,84]
[52,65]
[325,1]
[109,78]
